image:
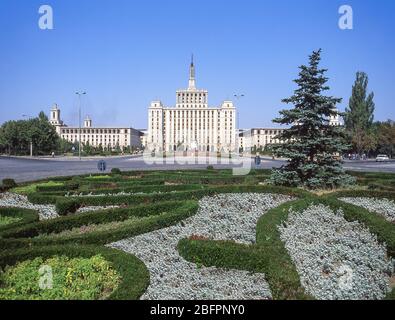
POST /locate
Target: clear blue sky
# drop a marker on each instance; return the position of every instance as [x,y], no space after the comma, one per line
[127,53]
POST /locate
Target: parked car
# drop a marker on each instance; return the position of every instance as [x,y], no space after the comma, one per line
[382,158]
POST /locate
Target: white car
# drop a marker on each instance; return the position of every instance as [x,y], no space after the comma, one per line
[382,157]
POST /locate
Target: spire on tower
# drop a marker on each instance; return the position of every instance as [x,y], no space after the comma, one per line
[192,82]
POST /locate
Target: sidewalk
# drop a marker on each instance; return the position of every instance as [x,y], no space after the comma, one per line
[69,158]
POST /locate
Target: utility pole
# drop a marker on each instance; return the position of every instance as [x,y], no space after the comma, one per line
[79,94]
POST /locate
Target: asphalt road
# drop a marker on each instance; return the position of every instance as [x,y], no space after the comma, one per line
[26,169]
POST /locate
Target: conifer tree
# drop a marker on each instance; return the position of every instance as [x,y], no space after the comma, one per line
[311,145]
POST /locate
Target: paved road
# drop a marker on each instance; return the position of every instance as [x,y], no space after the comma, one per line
[25,169]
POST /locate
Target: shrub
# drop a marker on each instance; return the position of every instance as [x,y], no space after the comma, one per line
[19,217]
[132,271]
[116,171]
[66,206]
[75,278]
[210,168]
[9,183]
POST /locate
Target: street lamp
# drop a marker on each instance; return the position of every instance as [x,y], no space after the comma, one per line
[238,97]
[79,94]
[31,138]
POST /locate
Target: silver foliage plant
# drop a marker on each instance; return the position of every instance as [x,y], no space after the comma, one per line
[336,259]
[384,207]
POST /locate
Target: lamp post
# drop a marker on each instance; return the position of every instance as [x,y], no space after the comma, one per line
[238,97]
[31,138]
[79,94]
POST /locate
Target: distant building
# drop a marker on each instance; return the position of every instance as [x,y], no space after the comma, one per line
[335,120]
[106,137]
[192,125]
[257,138]
[143,137]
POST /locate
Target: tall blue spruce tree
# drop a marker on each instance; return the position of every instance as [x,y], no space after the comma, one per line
[311,145]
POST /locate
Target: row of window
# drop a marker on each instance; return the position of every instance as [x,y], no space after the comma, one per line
[189,113]
[268,131]
[92,131]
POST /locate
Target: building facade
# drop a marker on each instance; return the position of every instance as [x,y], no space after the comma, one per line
[257,138]
[107,137]
[260,138]
[191,125]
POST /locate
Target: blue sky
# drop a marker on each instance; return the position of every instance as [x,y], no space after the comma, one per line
[127,53]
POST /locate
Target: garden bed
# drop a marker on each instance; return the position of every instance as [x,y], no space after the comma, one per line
[222,217]
[336,259]
[133,275]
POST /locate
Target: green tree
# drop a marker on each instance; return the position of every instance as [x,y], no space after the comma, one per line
[65,146]
[16,136]
[43,134]
[385,132]
[311,143]
[359,115]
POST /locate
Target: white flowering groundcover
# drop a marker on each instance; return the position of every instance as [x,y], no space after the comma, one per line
[335,258]
[45,212]
[383,207]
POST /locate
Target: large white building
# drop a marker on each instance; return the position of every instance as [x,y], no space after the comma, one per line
[106,137]
[192,125]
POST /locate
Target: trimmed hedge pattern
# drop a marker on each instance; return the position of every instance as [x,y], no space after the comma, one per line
[157,216]
[166,198]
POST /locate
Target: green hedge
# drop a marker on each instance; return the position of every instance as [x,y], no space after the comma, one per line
[26,215]
[66,187]
[8,183]
[38,198]
[133,189]
[65,206]
[364,193]
[133,272]
[156,216]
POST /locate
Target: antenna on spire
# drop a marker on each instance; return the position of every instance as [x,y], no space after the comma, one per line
[192,60]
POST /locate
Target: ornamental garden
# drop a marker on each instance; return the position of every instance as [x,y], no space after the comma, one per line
[202,234]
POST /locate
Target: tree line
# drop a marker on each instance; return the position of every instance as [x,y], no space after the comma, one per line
[17,137]
[364,134]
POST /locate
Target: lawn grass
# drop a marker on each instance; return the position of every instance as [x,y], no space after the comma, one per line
[6,220]
[31,188]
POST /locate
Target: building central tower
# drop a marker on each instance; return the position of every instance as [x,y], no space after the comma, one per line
[191,125]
